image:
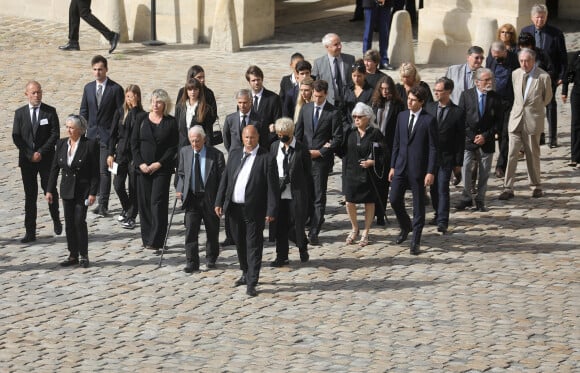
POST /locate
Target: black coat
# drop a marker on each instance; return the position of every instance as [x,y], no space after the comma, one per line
[120,138]
[330,129]
[207,123]
[152,143]
[232,135]
[487,125]
[451,131]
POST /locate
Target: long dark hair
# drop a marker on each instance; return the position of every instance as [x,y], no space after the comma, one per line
[202,105]
[378,100]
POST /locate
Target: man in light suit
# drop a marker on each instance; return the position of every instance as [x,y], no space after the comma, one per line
[532,92]
[248,194]
[551,40]
[35,132]
[451,142]
[244,116]
[265,103]
[101,99]
[334,68]
[413,165]
[320,128]
[198,178]
[463,75]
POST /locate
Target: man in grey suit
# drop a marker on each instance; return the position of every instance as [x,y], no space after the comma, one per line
[334,68]
[198,178]
[463,75]
[244,116]
[532,92]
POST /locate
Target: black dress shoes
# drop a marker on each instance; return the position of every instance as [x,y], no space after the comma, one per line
[402,236]
[190,268]
[480,206]
[505,195]
[313,240]
[463,204]
[57,227]
[227,242]
[386,66]
[278,262]
[241,281]
[84,262]
[28,238]
[70,261]
[441,228]
[251,291]
[304,256]
[114,42]
[211,265]
[433,221]
[414,248]
[70,46]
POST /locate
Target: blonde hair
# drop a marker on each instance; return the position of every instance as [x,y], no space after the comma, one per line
[409,69]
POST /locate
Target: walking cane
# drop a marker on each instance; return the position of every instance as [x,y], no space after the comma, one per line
[167,234]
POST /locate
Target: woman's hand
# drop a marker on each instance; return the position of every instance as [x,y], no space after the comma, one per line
[144,168]
[367,163]
[92,199]
[154,167]
[110,161]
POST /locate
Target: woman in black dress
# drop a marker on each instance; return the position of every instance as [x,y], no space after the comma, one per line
[193,109]
[359,91]
[120,153]
[363,165]
[574,77]
[78,158]
[154,144]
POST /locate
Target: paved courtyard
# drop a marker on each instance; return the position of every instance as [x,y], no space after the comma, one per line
[500,293]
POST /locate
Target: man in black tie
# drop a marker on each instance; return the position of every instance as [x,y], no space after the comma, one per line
[244,116]
[320,129]
[248,194]
[265,103]
[35,132]
[101,99]
[451,130]
[198,178]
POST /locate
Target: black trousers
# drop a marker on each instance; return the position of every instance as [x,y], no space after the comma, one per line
[105,177]
[399,185]
[197,209]
[30,182]
[248,235]
[288,229]
[128,201]
[552,115]
[82,9]
[153,196]
[575,125]
[320,170]
[75,221]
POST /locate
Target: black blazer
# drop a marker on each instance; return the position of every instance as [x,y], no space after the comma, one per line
[155,143]
[403,92]
[555,48]
[300,175]
[286,85]
[350,101]
[100,119]
[269,110]
[451,132]
[120,138]
[388,128]
[231,130]
[262,189]
[415,155]
[289,102]
[207,124]
[81,178]
[215,165]
[43,141]
[207,93]
[330,129]
[487,125]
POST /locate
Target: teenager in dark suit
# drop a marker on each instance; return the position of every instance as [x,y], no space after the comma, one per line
[120,152]
[101,99]
[244,116]
[451,142]
[387,105]
[413,164]
[294,168]
[290,100]
[248,194]
[35,132]
[265,103]
[198,73]
[551,40]
[289,82]
[77,157]
[154,145]
[198,178]
[320,129]
[483,116]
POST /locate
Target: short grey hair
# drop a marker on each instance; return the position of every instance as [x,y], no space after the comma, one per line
[528,51]
[363,109]
[483,70]
[244,92]
[285,125]
[498,46]
[326,38]
[539,8]
[162,95]
[197,130]
[79,122]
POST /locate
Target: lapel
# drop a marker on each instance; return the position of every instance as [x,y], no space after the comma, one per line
[79,155]
[414,126]
[208,164]
[187,166]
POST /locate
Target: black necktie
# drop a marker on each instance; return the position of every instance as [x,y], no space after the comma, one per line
[99,94]
[410,127]
[255,108]
[242,125]
[198,179]
[237,171]
[315,119]
[440,114]
[286,153]
[337,77]
[34,121]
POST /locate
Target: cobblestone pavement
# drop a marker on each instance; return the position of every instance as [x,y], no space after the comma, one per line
[500,293]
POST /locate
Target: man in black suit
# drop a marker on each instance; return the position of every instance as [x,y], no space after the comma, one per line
[483,116]
[248,194]
[198,178]
[294,168]
[320,129]
[244,116]
[551,40]
[290,81]
[265,103]
[413,164]
[101,99]
[82,9]
[451,130]
[35,132]
[303,71]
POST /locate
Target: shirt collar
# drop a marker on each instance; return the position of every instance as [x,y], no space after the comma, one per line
[416,113]
[201,152]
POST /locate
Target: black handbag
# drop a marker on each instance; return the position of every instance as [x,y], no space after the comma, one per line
[217,137]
